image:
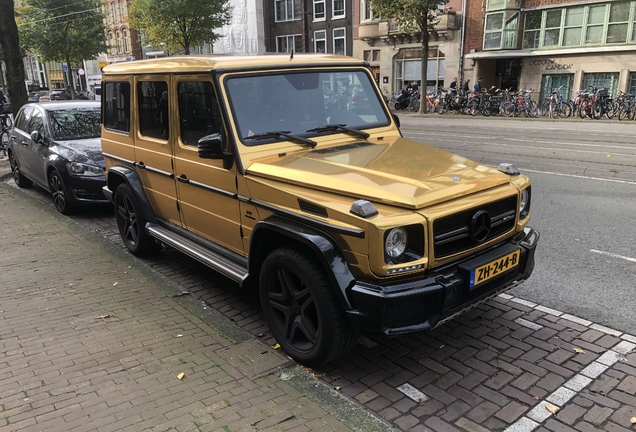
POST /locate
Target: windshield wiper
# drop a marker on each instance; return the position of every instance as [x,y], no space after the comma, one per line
[278,134]
[343,127]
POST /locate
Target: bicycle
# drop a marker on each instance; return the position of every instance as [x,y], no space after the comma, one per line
[556,106]
[522,103]
[5,126]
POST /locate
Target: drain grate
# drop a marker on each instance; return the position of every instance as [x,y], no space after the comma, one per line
[254,358]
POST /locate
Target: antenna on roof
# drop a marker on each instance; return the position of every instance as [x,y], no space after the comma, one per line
[291,56]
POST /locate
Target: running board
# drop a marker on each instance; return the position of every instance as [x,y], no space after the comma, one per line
[216,261]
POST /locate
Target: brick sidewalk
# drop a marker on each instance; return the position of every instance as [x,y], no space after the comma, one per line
[501,367]
[88,343]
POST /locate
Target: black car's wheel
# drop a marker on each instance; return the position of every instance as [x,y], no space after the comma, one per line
[132,222]
[58,190]
[302,310]
[19,179]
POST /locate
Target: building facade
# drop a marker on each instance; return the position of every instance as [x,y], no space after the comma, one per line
[546,44]
[395,56]
[122,42]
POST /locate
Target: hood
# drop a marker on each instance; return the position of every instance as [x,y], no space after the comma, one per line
[404,173]
[82,150]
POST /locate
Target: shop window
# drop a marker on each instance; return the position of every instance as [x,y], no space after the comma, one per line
[319,10]
[320,41]
[339,41]
[285,44]
[550,82]
[602,79]
[408,69]
[116,112]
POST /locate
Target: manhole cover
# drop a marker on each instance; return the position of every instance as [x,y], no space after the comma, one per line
[254,358]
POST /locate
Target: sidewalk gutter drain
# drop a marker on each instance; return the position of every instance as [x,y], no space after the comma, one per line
[254,358]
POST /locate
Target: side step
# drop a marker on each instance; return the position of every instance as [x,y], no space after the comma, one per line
[214,260]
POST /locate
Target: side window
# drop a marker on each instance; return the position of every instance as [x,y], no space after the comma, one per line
[152,98]
[37,123]
[22,122]
[199,112]
[116,106]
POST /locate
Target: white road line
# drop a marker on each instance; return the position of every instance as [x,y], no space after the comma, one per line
[580,176]
[613,255]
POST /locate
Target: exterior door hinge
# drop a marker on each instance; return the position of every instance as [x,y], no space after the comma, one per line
[178,208]
[241,231]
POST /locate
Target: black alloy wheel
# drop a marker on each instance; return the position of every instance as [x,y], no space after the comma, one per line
[19,179]
[302,310]
[58,190]
[132,222]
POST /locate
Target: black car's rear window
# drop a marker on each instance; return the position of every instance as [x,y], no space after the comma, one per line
[77,123]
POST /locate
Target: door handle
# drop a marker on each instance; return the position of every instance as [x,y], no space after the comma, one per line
[141,165]
[24,143]
[183,178]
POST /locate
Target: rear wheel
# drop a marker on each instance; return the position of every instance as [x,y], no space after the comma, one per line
[442,107]
[583,109]
[19,179]
[508,109]
[132,223]
[302,309]
[597,109]
[533,109]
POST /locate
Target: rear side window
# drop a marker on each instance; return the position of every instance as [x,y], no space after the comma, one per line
[199,113]
[152,98]
[22,122]
[116,106]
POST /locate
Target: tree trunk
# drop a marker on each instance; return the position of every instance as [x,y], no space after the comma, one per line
[10,42]
[424,27]
[69,77]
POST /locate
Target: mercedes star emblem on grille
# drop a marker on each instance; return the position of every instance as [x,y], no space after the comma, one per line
[480,226]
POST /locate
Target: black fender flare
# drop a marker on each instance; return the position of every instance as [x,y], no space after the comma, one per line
[119,174]
[321,244]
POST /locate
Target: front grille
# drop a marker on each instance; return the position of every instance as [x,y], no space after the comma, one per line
[413,311]
[452,233]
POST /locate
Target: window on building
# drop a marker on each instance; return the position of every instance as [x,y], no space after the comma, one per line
[115,13]
[367,56]
[550,82]
[152,99]
[339,41]
[501,30]
[320,41]
[319,10]
[126,41]
[602,79]
[106,11]
[288,10]
[376,55]
[367,13]
[492,5]
[408,68]
[285,44]
[594,24]
[338,8]
[199,112]
[632,83]
[116,112]
[118,41]
[111,43]
[122,9]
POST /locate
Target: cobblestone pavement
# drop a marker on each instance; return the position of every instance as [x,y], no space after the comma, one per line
[507,365]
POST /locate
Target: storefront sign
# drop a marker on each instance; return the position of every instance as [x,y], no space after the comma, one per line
[549,64]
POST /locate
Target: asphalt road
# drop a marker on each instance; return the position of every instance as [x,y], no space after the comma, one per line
[584,189]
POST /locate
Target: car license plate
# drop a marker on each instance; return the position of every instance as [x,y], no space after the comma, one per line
[494,268]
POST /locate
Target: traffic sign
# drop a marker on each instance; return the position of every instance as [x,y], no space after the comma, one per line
[80,71]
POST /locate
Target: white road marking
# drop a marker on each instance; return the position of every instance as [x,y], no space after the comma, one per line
[613,255]
[580,176]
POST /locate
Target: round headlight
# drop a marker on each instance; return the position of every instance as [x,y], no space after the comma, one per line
[523,203]
[395,242]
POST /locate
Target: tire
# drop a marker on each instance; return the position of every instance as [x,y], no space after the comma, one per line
[612,110]
[583,109]
[623,111]
[398,106]
[302,310]
[132,223]
[508,109]
[19,179]
[565,110]
[60,196]
[533,109]
[597,110]
[442,108]
[545,107]
[6,123]
[4,142]
[632,113]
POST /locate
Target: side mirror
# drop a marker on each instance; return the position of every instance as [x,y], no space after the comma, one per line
[396,119]
[36,136]
[212,147]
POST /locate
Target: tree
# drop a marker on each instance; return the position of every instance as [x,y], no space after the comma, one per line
[412,16]
[178,24]
[12,54]
[63,30]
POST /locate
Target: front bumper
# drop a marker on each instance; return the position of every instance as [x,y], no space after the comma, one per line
[423,304]
[85,190]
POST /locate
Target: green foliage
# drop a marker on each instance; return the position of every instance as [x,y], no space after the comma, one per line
[62,30]
[178,24]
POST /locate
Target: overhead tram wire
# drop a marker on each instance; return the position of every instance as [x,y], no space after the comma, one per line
[62,16]
[55,8]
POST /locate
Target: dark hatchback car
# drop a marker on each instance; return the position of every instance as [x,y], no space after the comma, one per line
[60,94]
[57,146]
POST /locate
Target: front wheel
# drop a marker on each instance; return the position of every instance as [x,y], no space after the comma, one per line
[597,110]
[302,309]
[58,190]
[6,123]
[132,223]
[508,109]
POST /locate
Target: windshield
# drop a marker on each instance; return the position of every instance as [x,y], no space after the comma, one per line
[296,102]
[78,123]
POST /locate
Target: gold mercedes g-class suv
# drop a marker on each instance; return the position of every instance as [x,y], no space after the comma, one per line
[289,174]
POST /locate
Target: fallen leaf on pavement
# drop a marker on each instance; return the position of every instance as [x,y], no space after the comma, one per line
[115,284]
[632,420]
[337,387]
[551,408]
[536,398]
[104,316]
[277,346]
[181,375]
[579,350]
